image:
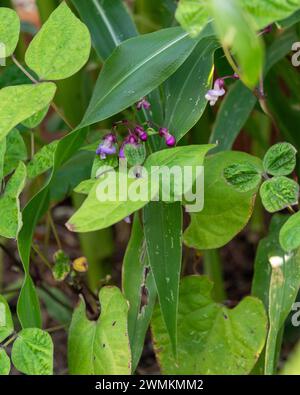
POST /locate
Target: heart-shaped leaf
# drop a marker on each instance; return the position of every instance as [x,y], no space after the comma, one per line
[32,352]
[211,338]
[100,347]
[279,193]
[61,47]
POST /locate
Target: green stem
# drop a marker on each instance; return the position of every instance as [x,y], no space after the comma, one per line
[213,269]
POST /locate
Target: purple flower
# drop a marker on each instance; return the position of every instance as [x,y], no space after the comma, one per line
[143,103]
[214,94]
[169,138]
[131,139]
[107,146]
[141,133]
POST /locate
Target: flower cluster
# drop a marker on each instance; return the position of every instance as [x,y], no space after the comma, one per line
[136,135]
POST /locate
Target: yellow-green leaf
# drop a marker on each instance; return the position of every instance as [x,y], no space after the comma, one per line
[18,103]
[61,47]
[9,31]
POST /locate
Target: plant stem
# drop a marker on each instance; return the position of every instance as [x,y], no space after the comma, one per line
[41,255]
[230,60]
[54,231]
[18,64]
[10,340]
[213,269]
[56,109]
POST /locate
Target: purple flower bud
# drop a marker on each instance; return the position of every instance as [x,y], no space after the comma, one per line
[107,146]
[143,103]
[142,134]
[169,138]
[214,94]
[170,141]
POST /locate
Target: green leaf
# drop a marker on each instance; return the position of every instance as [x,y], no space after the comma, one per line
[18,103]
[163,234]
[85,186]
[4,363]
[135,155]
[289,236]
[135,69]
[109,23]
[139,289]
[279,193]
[96,215]
[62,265]
[244,177]
[9,30]
[280,159]
[266,12]
[6,322]
[226,211]
[292,365]
[42,161]
[11,221]
[276,282]
[61,47]
[211,338]
[111,160]
[193,15]
[232,116]
[28,307]
[16,151]
[184,99]
[236,31]
[32,352]
[100,347]
[33,121]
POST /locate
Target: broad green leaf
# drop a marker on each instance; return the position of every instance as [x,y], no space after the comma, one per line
[163,235]
[276,282]
[4,363]
[185,90]
[109,23]
[18,103]
[62,265]
[32,352]
[85,186]
[193,15]
[211,338]
[236,31]
[244,177]
[6,322]
[95,214]
[139,289]
[292,365]
[136,68]
[100,347]
[226,211]
[11,220]
[266,12]
[289,235]
[290,20]
[279,193]
[42,161]
[280,159]
[9,31]
[16,151]
[28,307]
[61,47]
[33,121]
